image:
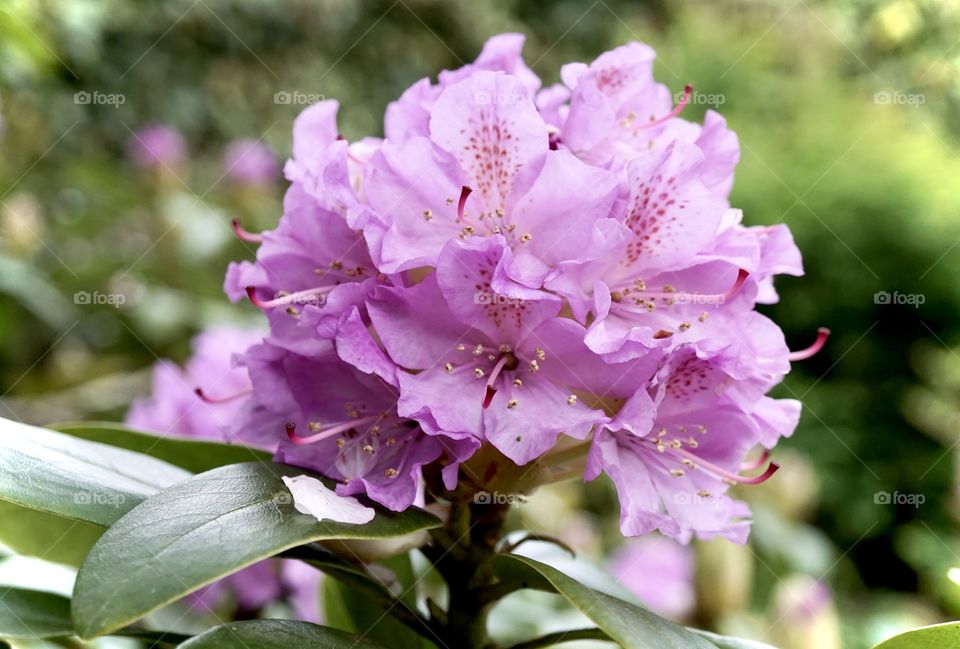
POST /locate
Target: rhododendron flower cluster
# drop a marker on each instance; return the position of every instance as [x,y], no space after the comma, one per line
[554,274]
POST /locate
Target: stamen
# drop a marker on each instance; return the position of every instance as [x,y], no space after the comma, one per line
[687,92]
[244,235]
[673,297]
[214,400]
[822,334]
[723,474]
[464,193]
[291,298]
[334,429]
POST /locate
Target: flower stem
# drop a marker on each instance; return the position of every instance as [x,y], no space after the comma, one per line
[461,553]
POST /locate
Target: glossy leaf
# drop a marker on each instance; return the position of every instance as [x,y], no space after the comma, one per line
[33,614]
[937,636]
[194,455]
[75,478]
[276,634]
[198,531]
[629,625]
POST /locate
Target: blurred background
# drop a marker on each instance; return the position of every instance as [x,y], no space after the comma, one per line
[848,113]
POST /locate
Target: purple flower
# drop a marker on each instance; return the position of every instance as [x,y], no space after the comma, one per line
[409,116]
[512,265]
[157,145]
[674,449]
[659,571]
[324,414]
[250,162]
[174,405]
[490,357]
[618,113]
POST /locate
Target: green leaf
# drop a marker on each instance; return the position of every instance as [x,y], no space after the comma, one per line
[33,533]
[276,634]
[83,480]
[194,455]
[33,614]
[627,624]
[349,609]
[198,531]
[728,642]
[928,637]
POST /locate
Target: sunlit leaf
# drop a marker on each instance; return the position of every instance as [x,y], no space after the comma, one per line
[78,479]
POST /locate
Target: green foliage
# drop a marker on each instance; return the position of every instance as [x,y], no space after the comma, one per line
[277,634]
[193,455]
[77,479]
[30,532]
[629,625]
[348,608]
[200,530]
[33,614]
[931,637]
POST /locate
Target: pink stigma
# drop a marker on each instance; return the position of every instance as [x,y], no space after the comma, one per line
[822,334]
[737,285]
[490,391]
[772,468]
[464,193]
[214,400]
[244,235]
[687,92]
[756,464]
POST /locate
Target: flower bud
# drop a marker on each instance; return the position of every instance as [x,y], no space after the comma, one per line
[804,615]
[724,578]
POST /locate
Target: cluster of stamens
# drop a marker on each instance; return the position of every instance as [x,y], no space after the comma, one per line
[681,450]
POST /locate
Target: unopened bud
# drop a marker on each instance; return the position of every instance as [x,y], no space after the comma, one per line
[804,615]
[724,578]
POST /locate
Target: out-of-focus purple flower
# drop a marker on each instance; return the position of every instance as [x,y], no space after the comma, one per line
[157,145]
[250,162]
[252,589]
[660,572]
[174,405]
